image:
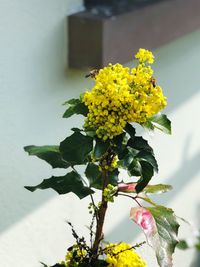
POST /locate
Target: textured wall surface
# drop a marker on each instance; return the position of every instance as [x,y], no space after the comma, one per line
[34,82]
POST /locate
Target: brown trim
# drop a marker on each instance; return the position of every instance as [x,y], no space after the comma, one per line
[95,41]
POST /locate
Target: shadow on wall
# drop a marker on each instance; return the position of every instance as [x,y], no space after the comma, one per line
[172,66]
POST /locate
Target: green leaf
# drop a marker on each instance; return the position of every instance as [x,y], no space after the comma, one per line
[139,143]
[75,148]
[90,132]
[113,177]
[147,173]
[167,228]
[101,147]
[160,227]
[197,246]
[134,169]
[159,121]
[130,130]
[128,156]
[75,107]
[72,101]
[76,130]
[119,146]
[71,182]
[95,263]
[94,176]
[157,189]
[149,157]
[130,163]
[50,154]
[119,139]
[182,244]
[99,263]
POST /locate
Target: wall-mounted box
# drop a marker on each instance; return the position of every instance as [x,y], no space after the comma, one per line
[96,40]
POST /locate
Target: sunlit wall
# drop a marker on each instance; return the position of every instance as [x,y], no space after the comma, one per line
[34,82]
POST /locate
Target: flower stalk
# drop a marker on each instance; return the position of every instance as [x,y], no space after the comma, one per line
[100,216]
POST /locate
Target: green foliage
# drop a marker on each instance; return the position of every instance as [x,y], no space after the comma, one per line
[51,154]
[167,230]
[101,147]
[99,263]
[71,182]
[159,121]
[146,175]
[103,159]
[145,155]
[75,107]
[157,189]
[75,148]
[113,177]
[95,263]
[183,245]
[130,130]
[56,265]
[137,157]
[94,175]
[139,144]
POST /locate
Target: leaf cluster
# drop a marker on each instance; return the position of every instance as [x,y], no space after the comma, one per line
[134,155]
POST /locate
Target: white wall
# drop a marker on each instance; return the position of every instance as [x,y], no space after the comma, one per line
[34,82]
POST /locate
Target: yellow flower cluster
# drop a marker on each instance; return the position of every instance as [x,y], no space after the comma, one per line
[122,95]
[122,255]
[109,192]
[113,165]
[144,55]
[74,256]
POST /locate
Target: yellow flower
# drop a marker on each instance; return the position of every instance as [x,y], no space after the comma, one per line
[74,256]
[122,255]
[122,95]
[144,55]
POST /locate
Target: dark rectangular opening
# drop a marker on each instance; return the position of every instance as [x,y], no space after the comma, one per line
[114,7]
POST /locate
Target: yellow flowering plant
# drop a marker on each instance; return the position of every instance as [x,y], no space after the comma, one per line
[107,142]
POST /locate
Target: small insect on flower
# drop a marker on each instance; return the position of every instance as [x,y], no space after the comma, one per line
[92,73]
[153,81]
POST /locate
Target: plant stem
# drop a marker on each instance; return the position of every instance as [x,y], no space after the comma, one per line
[134,198]
[101,217]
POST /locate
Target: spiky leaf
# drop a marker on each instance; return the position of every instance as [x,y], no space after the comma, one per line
[183,245]
[157,189]
[101,147]
[159,121]
[75,148]
[167,227]
[161,228]
[50,154]
[130,130]
[113,177]
[71,182]
[75,107]
[146,175]
[139,143]
[94,175]
[148,157]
